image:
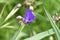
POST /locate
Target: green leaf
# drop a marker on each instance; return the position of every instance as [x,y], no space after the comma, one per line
[13,11]
[18,34]
[2,10]
[41,35]
[54,26]
[6,24]
[7,1]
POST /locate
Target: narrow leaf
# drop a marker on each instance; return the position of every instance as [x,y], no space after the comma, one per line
[17,35]
[14,10]
[41,35]
[54,26]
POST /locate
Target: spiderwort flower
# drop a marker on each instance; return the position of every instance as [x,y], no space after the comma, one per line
[29,16]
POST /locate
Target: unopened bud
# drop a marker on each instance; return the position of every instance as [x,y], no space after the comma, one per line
[56,14]
[51,38]
[59,18]
[20,22]
[19,18]
[27,2]
[31,7]
[18,5]
[56,17]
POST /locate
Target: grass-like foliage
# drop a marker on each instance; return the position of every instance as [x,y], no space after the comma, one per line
[42,28]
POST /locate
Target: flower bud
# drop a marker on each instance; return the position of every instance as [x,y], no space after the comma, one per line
[20,18]
[28,2]
[51,38]
[31,7]
[56,17]
[18,5]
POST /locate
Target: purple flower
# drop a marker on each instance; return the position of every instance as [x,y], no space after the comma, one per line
[29,16]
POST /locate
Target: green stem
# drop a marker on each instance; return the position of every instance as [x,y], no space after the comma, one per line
[30,30]
[17,34]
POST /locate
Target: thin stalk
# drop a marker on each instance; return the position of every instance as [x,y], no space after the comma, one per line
[17,34]
[14,10]
[2,10]
[56,29]
[30,30]
[42,35]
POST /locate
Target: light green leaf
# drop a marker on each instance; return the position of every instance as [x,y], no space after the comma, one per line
[18,34]
[54,26]
[41,35]
[14,10]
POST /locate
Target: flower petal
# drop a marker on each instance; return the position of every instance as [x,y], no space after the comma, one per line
[29,17]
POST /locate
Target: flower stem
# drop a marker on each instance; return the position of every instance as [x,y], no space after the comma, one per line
[30,30]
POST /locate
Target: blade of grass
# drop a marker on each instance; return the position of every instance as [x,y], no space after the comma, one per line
[17,35]
[7,1]
[14,10]
[12,27]
[54,26]
[41,35]
[2,1]
[2,10]
[6,24]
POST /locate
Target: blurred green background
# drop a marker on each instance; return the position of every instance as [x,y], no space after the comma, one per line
[41,24]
